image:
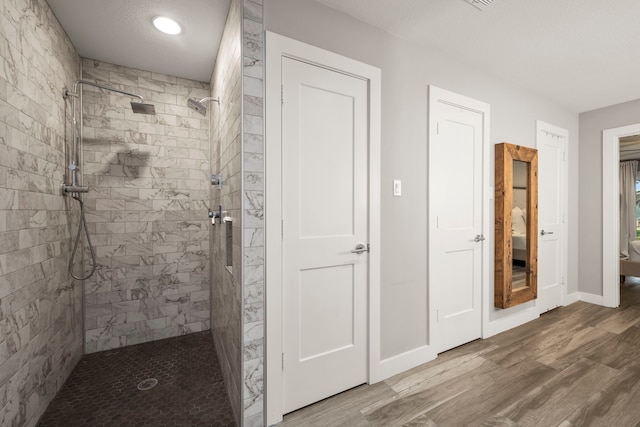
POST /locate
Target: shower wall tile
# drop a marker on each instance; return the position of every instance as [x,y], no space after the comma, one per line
[253,213]
[40,305]
[147,208]
[226,158]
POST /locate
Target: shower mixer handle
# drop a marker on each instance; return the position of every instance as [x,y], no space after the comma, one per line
[74,189]
[216,214]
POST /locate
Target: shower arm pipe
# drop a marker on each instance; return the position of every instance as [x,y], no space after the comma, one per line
[94,84]
[210,98]
[73,167]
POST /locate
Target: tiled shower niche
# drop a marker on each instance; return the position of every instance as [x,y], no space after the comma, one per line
[146,209]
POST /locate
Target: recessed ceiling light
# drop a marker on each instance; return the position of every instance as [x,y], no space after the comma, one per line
[167,25]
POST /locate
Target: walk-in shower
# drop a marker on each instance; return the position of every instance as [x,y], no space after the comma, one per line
[75,187]
[198,105]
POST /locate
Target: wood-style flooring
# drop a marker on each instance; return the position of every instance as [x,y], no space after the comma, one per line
[577,365]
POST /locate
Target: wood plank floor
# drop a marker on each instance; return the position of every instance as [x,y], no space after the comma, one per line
[574,366]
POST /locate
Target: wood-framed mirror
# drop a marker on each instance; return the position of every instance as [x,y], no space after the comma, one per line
[516,225]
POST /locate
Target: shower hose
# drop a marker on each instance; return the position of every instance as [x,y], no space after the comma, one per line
[82,223]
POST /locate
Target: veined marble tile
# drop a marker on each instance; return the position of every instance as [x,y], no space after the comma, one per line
[108,321]
[126,306]
[253,256]
[253,28]
[253,312]
[253,379]
[252,10]
[253,200]
[111,343]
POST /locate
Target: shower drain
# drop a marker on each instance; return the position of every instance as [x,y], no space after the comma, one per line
[147,384]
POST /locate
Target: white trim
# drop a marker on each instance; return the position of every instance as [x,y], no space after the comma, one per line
[401,362]
[273,244]
[571,298]
[375,170]
[611,213]
[278,46]
[555,130]
[510,321]
[591,298]
[437,94]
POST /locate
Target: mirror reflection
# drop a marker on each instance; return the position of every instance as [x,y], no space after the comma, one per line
[519,225]
[516,225]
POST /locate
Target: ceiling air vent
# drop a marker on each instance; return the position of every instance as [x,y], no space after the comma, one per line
[479,4]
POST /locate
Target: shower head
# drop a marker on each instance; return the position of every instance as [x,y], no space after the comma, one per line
[142,108]
[198,106]
[137,107]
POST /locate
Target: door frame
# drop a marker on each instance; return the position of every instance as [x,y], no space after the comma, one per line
[278,46]
[611,214]
[556,130]
[437,94]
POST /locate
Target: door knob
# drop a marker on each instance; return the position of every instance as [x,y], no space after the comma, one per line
[542,233]
[478,238]
[360,248]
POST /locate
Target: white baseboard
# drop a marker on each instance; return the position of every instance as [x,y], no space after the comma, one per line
[591,298]
[571,298]
[402,362]
[514,320]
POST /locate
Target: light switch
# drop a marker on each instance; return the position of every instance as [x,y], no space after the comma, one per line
[397,188]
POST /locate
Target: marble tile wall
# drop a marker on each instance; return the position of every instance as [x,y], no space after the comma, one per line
[226,158]
[253,213]
[237,152]
[40,306]
[147,208]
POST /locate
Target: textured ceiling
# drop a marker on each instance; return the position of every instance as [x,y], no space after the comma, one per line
[122,32]
[583,54]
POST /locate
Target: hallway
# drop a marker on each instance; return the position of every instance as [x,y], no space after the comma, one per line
[574,366]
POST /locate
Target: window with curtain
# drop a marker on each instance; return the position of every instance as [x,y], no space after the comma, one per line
[628,205]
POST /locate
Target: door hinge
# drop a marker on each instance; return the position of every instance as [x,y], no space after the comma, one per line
[281,94]
[282,360]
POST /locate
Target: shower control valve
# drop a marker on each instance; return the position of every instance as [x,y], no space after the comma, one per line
[216,179]
[215,214]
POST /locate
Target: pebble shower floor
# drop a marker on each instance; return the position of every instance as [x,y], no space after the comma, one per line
[103,389]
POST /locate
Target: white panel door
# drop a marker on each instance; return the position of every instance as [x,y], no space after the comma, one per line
[551,200]
[455,216]
[324,204]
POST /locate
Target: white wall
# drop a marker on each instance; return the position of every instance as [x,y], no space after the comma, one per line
[407,70]
[592,123]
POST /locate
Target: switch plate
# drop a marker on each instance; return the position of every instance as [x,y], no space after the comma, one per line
[397,188]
